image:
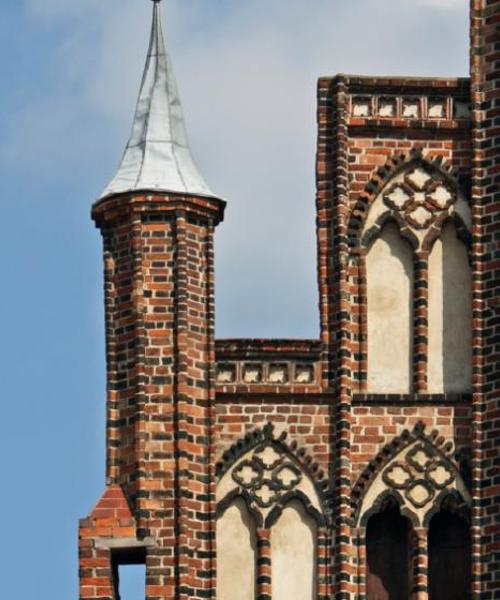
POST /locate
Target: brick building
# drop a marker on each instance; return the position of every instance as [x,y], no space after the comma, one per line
[363,464]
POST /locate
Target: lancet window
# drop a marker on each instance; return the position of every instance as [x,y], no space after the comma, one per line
[271,522]
[411,509]
[414,290]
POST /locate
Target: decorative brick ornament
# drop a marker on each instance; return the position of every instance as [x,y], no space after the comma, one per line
[417,467]
[267,473]
[419,196]
[438,181]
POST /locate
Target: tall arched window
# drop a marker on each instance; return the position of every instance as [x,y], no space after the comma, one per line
[293,551]
[450,315]
[236,553]
[389,267]
[266,493]
[387,555]
[415,320]
[449,547]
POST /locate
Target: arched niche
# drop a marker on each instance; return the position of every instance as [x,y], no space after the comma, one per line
[450,315]
[389,269]
[236,553]
[449,548]
[416,469]
[293,552]
[388,555]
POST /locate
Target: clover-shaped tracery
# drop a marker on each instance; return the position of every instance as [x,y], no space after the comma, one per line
[268,457]
[418,178]
[267,474]
[419,216]
[397,476]
[248,474]
[440,197]
[266,493]
[419,475]
[419,493]
[399,196]
[419,197]
[417,470]
[439,474]
[420,457]
[287,476]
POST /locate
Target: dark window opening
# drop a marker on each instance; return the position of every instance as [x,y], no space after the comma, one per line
[129,574]
[388,556]
[449,557]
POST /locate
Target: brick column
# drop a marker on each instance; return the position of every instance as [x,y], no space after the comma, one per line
[341,304]
[324,544]
[485,73]
[336,306]
[419,564]
[159,297]
[264,575]
[420,323]
[362,565]
[96,575]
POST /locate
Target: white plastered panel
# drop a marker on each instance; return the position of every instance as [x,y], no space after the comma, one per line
[293,551]
[236,554]
[450,315]
[389,265]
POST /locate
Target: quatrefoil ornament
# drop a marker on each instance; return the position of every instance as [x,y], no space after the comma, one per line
[397,476]
[287,476]
[268,457]
[439,474]
[419,197]
[266,493]
[248,474]
[419,457]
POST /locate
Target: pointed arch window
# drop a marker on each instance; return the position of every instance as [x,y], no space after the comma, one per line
[236,553]
[266,483]
[389,265]
[450,314]
[293,554]
[388,554]
[416,310]
[450,551]
[409,504]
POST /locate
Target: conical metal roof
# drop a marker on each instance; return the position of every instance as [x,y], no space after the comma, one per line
[157,156]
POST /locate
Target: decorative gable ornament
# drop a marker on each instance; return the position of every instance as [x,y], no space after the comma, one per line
[268,474]
[415,469]
[419,194]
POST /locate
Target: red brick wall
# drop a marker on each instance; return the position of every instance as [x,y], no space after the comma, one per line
[356,153]
[307,421]
[486,214]
[375,427]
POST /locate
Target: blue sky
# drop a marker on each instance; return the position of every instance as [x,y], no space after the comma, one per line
[70,72]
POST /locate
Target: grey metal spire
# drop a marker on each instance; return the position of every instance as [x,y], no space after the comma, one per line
[157,156]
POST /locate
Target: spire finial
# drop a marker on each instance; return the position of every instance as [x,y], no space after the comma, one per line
[157,156]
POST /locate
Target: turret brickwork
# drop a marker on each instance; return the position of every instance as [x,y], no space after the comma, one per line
[160,352]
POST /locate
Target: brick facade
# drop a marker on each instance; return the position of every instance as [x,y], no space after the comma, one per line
[183,409]
[485,74]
